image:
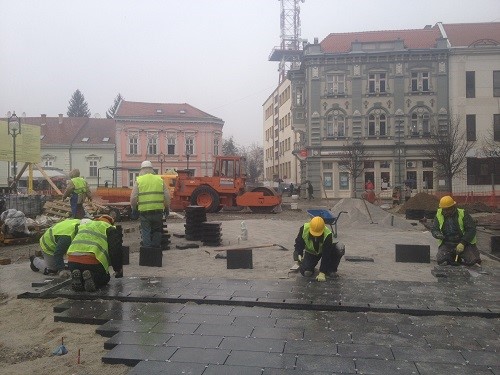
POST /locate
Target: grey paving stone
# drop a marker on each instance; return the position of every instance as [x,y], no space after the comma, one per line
[383,367]
[132,354]
[387,339]
[112,327]
[253,321]
[365,351]
[161,368]
[478,358]
[427,355]
[232,370]
[174,327]
[306,363]
[194,341]
[223,330]
[206,309]
[206,318]
[204,356]
[278,333]
[328,335]
[310,347]
[275,360]
[136,338]
[251,311]
[432,368]
[253,344]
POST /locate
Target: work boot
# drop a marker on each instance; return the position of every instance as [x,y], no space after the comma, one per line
[308,273]
[88,281]
[32,266]
[76,281]
[333,275]
[64,274]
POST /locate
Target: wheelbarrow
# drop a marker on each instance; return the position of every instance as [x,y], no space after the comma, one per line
[328,217]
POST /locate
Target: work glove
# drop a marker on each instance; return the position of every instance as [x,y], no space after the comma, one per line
[439,236]
[321,277]
[460,248]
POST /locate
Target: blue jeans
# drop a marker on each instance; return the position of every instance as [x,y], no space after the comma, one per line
[151,228]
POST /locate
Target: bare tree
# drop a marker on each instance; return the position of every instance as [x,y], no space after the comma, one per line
[352,159]
[490,147]
[448,147]
[254,155]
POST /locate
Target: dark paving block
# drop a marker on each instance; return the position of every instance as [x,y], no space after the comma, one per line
[194,341]
[251,311]
[310,347]
[206,309]
[275,360]
[253,344]
[383,367]
[387,339]
[111,328]
[306,363]
[278,333]
[174,327]
[413,253]
[207,318]
[205,356]
[431,368]
[130,355]
[252,321]
[223,330]
[162,367]
[478,358]
[232,370]
[239,259]
[328,335]
[278,371]
[357,259]
[136,338]
[365,351]
[413,354]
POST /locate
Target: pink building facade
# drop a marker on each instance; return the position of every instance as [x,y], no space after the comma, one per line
[172,136]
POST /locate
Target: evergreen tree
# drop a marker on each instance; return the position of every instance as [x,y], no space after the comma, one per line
[78,107]
[229,147]
[112,110]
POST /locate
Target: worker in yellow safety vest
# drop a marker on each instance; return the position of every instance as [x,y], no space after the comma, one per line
[456,232]
[96,246]
[77,189]
[317,241]
[150,196]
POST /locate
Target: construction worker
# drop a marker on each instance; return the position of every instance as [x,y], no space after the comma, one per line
[95,246]
[151,198]
[317,241]
[77,189]
[55,243]
[456,231]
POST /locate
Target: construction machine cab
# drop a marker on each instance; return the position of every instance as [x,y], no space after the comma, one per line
[229,166]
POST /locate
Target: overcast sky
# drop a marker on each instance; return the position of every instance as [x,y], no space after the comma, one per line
[212,54]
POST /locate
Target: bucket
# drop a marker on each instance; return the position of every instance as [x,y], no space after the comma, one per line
[294,206]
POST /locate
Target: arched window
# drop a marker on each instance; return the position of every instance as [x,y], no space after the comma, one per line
[377,124]
[420,122]
[335,124]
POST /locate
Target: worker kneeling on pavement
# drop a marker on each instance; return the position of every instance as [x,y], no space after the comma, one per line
[317,241]
[456,231]
[55,243]
[96,245]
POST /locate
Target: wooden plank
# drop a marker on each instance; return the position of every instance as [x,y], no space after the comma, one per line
[49,180]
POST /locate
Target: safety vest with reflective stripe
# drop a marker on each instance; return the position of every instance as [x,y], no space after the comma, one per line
[309,242]
[48,241]
[92,238]
[461,214]
[150,195]
[80,185]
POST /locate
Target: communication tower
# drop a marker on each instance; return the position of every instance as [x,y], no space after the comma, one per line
[289,50]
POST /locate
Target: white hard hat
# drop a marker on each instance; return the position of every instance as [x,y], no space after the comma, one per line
[146,164]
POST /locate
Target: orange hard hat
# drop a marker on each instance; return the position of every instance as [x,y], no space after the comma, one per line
[317,226]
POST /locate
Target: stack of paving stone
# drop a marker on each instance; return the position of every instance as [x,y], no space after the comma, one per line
[116,238]
[212,235]
[165,236]
[195,217]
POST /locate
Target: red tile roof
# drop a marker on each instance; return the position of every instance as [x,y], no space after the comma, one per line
[175,110]
[413,39]
[71,130]
[466,34]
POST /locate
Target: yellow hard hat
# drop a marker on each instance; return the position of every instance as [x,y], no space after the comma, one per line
[446,202]
[317,226]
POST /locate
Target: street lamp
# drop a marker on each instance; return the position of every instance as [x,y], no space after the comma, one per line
[161,159]
[14,129]
[400,149]
[188,154]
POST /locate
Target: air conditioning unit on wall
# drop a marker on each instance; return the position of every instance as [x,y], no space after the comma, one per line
[411,164]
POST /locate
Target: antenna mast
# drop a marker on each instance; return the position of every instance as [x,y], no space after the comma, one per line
[289,50]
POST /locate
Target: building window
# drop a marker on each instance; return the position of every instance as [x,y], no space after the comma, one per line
[216,146]
[327,165]
[428,177]
[420,82]
[420,123]
[189,146]
[47,162]
[427,164]
[133,142]
[496,128]
[470,124]
[470,84]
[376,83]
[328,180]
[377,125]
[344,181]
[93,168]
[335,84]
[299,96]
[496,83]
[152,144]
[171,145]
[132,176]
[480,171]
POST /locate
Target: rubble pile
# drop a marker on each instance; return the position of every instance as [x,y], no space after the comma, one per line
[421,201]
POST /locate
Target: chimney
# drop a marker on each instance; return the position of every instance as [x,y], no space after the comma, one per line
[60,118]
[44,119]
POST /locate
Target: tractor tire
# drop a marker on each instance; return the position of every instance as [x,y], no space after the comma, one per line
[207,197]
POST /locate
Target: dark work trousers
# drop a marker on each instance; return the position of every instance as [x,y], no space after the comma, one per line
[100,275]
[447,254]
[151,227]
[329,261]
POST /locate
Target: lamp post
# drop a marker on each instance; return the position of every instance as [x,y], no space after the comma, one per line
[14,129]
[188,154]
[161,159]
[400,150]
